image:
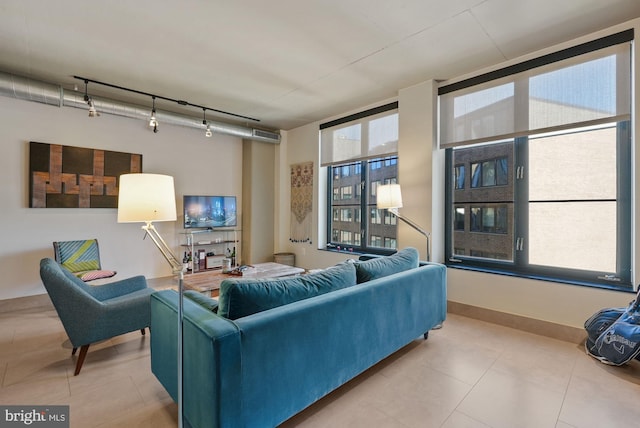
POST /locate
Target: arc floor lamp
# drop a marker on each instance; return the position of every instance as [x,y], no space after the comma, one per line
[148,198]
[389,197]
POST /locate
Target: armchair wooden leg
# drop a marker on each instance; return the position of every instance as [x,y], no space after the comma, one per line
[73,351]
[83,354]
[142,331]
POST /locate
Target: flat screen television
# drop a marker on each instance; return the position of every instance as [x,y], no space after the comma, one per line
[208,212]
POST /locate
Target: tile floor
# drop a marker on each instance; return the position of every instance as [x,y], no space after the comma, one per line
[469,374]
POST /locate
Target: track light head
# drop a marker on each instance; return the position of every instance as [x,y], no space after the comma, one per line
[207,133]
[153,122]
[92,108]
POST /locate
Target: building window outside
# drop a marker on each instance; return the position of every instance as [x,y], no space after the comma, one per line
[489,173]
[553,204]
[459,177]
[346,192]
[390,218]
[345,214]
[345,237]
[376,218]
[489,219]
[374,187]
[458,223]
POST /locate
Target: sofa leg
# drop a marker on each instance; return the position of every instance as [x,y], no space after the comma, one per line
[142,331]
[83,354]
[426,335]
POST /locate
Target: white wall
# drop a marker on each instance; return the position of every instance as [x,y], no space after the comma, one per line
[301,145]
[421,175]
[259,202]
[199,165]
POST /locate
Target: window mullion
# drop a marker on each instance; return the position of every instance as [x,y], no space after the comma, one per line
[364,197]
[521,203]
[624,220]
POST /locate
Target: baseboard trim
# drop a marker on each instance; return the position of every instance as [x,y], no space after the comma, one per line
[530,325]
[39,301]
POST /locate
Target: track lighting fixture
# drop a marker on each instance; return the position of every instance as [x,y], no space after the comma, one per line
[92,108]
[207,133]
[153,122]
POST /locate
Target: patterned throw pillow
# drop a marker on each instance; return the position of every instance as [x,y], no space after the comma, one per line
[95,274]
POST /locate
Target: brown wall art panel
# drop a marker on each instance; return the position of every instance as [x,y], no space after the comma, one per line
[76,177]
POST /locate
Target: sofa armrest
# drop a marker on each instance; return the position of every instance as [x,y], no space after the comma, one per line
[212,363]
[202,300]
[118,288]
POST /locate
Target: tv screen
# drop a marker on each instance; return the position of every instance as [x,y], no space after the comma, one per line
[207,212]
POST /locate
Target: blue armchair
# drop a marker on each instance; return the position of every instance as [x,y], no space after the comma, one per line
[93,313]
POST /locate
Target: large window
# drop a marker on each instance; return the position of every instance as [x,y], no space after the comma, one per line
[360,153]
[547,145]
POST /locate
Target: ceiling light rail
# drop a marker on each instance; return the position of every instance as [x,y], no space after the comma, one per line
[154,96]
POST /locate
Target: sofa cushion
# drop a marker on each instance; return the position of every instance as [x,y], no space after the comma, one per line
[204,301]
[242,297]
[379,267]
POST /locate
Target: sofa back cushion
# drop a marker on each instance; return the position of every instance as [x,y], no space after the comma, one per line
[242,297]
[378,267]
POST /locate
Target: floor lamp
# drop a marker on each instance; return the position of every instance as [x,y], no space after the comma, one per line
[147,198]
[389,197]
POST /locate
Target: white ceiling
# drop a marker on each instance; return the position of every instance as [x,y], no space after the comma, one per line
[285,62]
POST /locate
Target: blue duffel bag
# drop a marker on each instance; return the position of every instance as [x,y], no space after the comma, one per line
[613,334]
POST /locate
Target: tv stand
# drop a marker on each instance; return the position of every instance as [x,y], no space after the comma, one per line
[211,240]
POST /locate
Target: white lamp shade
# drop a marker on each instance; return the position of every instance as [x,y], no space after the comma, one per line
[145,198]
[389,196]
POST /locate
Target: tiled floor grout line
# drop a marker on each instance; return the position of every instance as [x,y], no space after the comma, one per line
[456,409]
[566,391]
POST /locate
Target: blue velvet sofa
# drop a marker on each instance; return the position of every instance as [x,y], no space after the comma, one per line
[256,364]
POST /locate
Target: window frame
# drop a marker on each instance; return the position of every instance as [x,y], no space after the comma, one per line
[370,150]
[363,208]
[622,281]
[623,123]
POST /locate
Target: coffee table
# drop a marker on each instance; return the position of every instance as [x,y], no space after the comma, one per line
[208,282]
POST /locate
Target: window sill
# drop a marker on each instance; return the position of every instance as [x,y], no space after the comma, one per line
[340,250]
[625,289]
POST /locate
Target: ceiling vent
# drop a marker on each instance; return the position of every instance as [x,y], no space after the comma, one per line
[269,135]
